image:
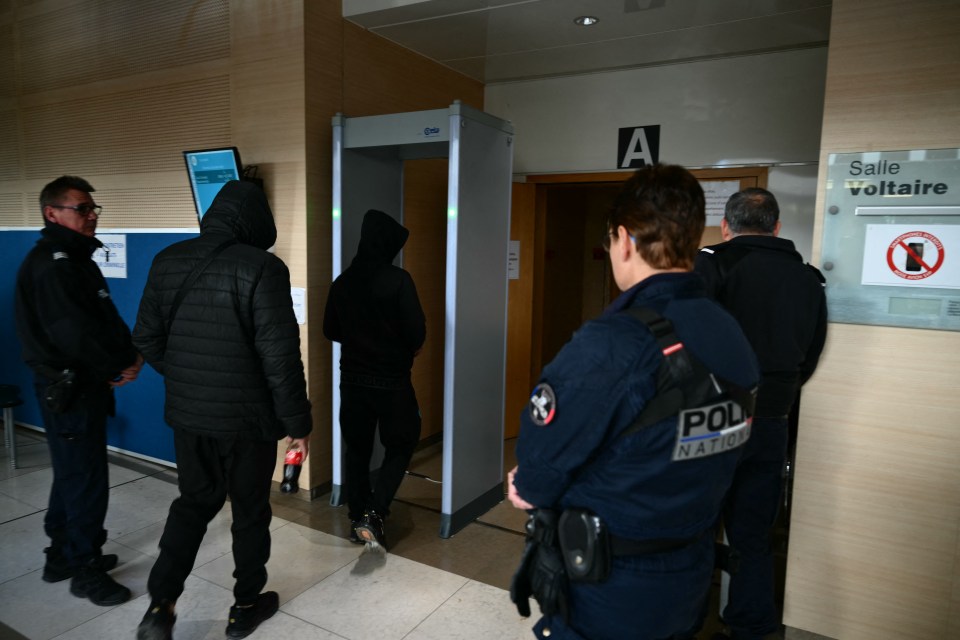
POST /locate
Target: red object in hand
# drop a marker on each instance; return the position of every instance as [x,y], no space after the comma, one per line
[291,471]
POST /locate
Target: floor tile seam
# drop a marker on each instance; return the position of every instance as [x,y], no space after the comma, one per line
[312,624]
[466,582]
[26,515]
[101,611]
[18,500]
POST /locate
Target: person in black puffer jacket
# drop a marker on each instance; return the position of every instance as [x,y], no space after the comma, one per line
[230,357]
[374,312]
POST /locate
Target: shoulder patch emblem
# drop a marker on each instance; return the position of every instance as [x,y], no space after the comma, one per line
[60,255]
[543,405]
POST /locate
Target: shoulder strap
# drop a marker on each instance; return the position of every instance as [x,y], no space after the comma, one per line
[192,279]
[683,381]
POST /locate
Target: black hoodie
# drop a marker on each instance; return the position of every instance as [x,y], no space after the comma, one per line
[373,309]
[231,358]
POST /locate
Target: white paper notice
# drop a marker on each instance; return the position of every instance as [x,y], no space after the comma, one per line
[112,257]
[299,295]
[513,260]
[717,192]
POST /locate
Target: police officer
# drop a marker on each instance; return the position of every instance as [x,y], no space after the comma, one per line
[779,302]
[656,489]
[79,349]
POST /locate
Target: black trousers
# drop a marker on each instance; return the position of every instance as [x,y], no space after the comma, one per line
[210,470]
[397,413]
[77,441]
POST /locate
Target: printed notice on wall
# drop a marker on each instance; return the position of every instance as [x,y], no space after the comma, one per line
[717,192]
[513,260]
[299,295]
[112,257]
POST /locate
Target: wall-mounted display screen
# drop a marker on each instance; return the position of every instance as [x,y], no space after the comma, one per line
[209,170]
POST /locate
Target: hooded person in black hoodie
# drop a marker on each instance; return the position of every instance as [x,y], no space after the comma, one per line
[374,312]
[217,321]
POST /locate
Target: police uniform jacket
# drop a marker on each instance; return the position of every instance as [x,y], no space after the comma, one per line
[64,314]
[231,356]
[779,302]
[602,380]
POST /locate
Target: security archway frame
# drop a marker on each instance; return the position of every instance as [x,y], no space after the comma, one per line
[368,159]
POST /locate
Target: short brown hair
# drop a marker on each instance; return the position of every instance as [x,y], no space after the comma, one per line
[662,207]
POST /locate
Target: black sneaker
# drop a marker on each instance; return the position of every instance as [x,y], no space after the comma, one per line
[56,568]
[354,538]
[245,620]
[157,623]
[370,530]
[90,582]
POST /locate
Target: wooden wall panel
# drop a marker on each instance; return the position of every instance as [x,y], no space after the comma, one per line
[876,512]
[323,95]
[74,44]
[10,143]
[382,77]
[136,131]
[114,92]
[8,57]
[520,308]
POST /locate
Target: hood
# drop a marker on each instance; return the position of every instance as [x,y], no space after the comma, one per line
[241,210]
[381,238]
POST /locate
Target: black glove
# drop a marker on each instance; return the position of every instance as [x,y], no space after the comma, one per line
[520,591]
[548,581]
[541,573]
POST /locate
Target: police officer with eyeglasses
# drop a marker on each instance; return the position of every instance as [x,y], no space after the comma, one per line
[79,349]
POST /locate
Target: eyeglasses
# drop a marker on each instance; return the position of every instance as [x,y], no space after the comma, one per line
[613,234]
[606,240]
[82,209]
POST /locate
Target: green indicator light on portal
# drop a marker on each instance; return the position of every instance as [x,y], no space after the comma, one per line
[451,213]
[336,214]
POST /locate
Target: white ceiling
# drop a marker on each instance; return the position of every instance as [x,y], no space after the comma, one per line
[509,40]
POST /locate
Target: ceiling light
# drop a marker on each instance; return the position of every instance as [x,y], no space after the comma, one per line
[586,21]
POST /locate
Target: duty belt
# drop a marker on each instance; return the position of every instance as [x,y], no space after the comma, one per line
[628,547]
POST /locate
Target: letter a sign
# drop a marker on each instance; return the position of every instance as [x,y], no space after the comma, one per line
[638,146]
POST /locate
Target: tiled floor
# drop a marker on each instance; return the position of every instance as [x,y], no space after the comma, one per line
[424,588]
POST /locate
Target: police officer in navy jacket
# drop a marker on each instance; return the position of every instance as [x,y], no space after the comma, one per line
[660,487]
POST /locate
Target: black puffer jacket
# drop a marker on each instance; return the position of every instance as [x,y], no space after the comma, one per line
[373,309]
[231,360]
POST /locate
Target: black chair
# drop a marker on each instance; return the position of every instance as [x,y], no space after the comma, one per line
[10,398]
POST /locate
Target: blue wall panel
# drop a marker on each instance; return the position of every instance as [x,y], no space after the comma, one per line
[138,426]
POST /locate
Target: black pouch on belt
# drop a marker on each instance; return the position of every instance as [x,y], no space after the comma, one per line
[585,543]
[61,393]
